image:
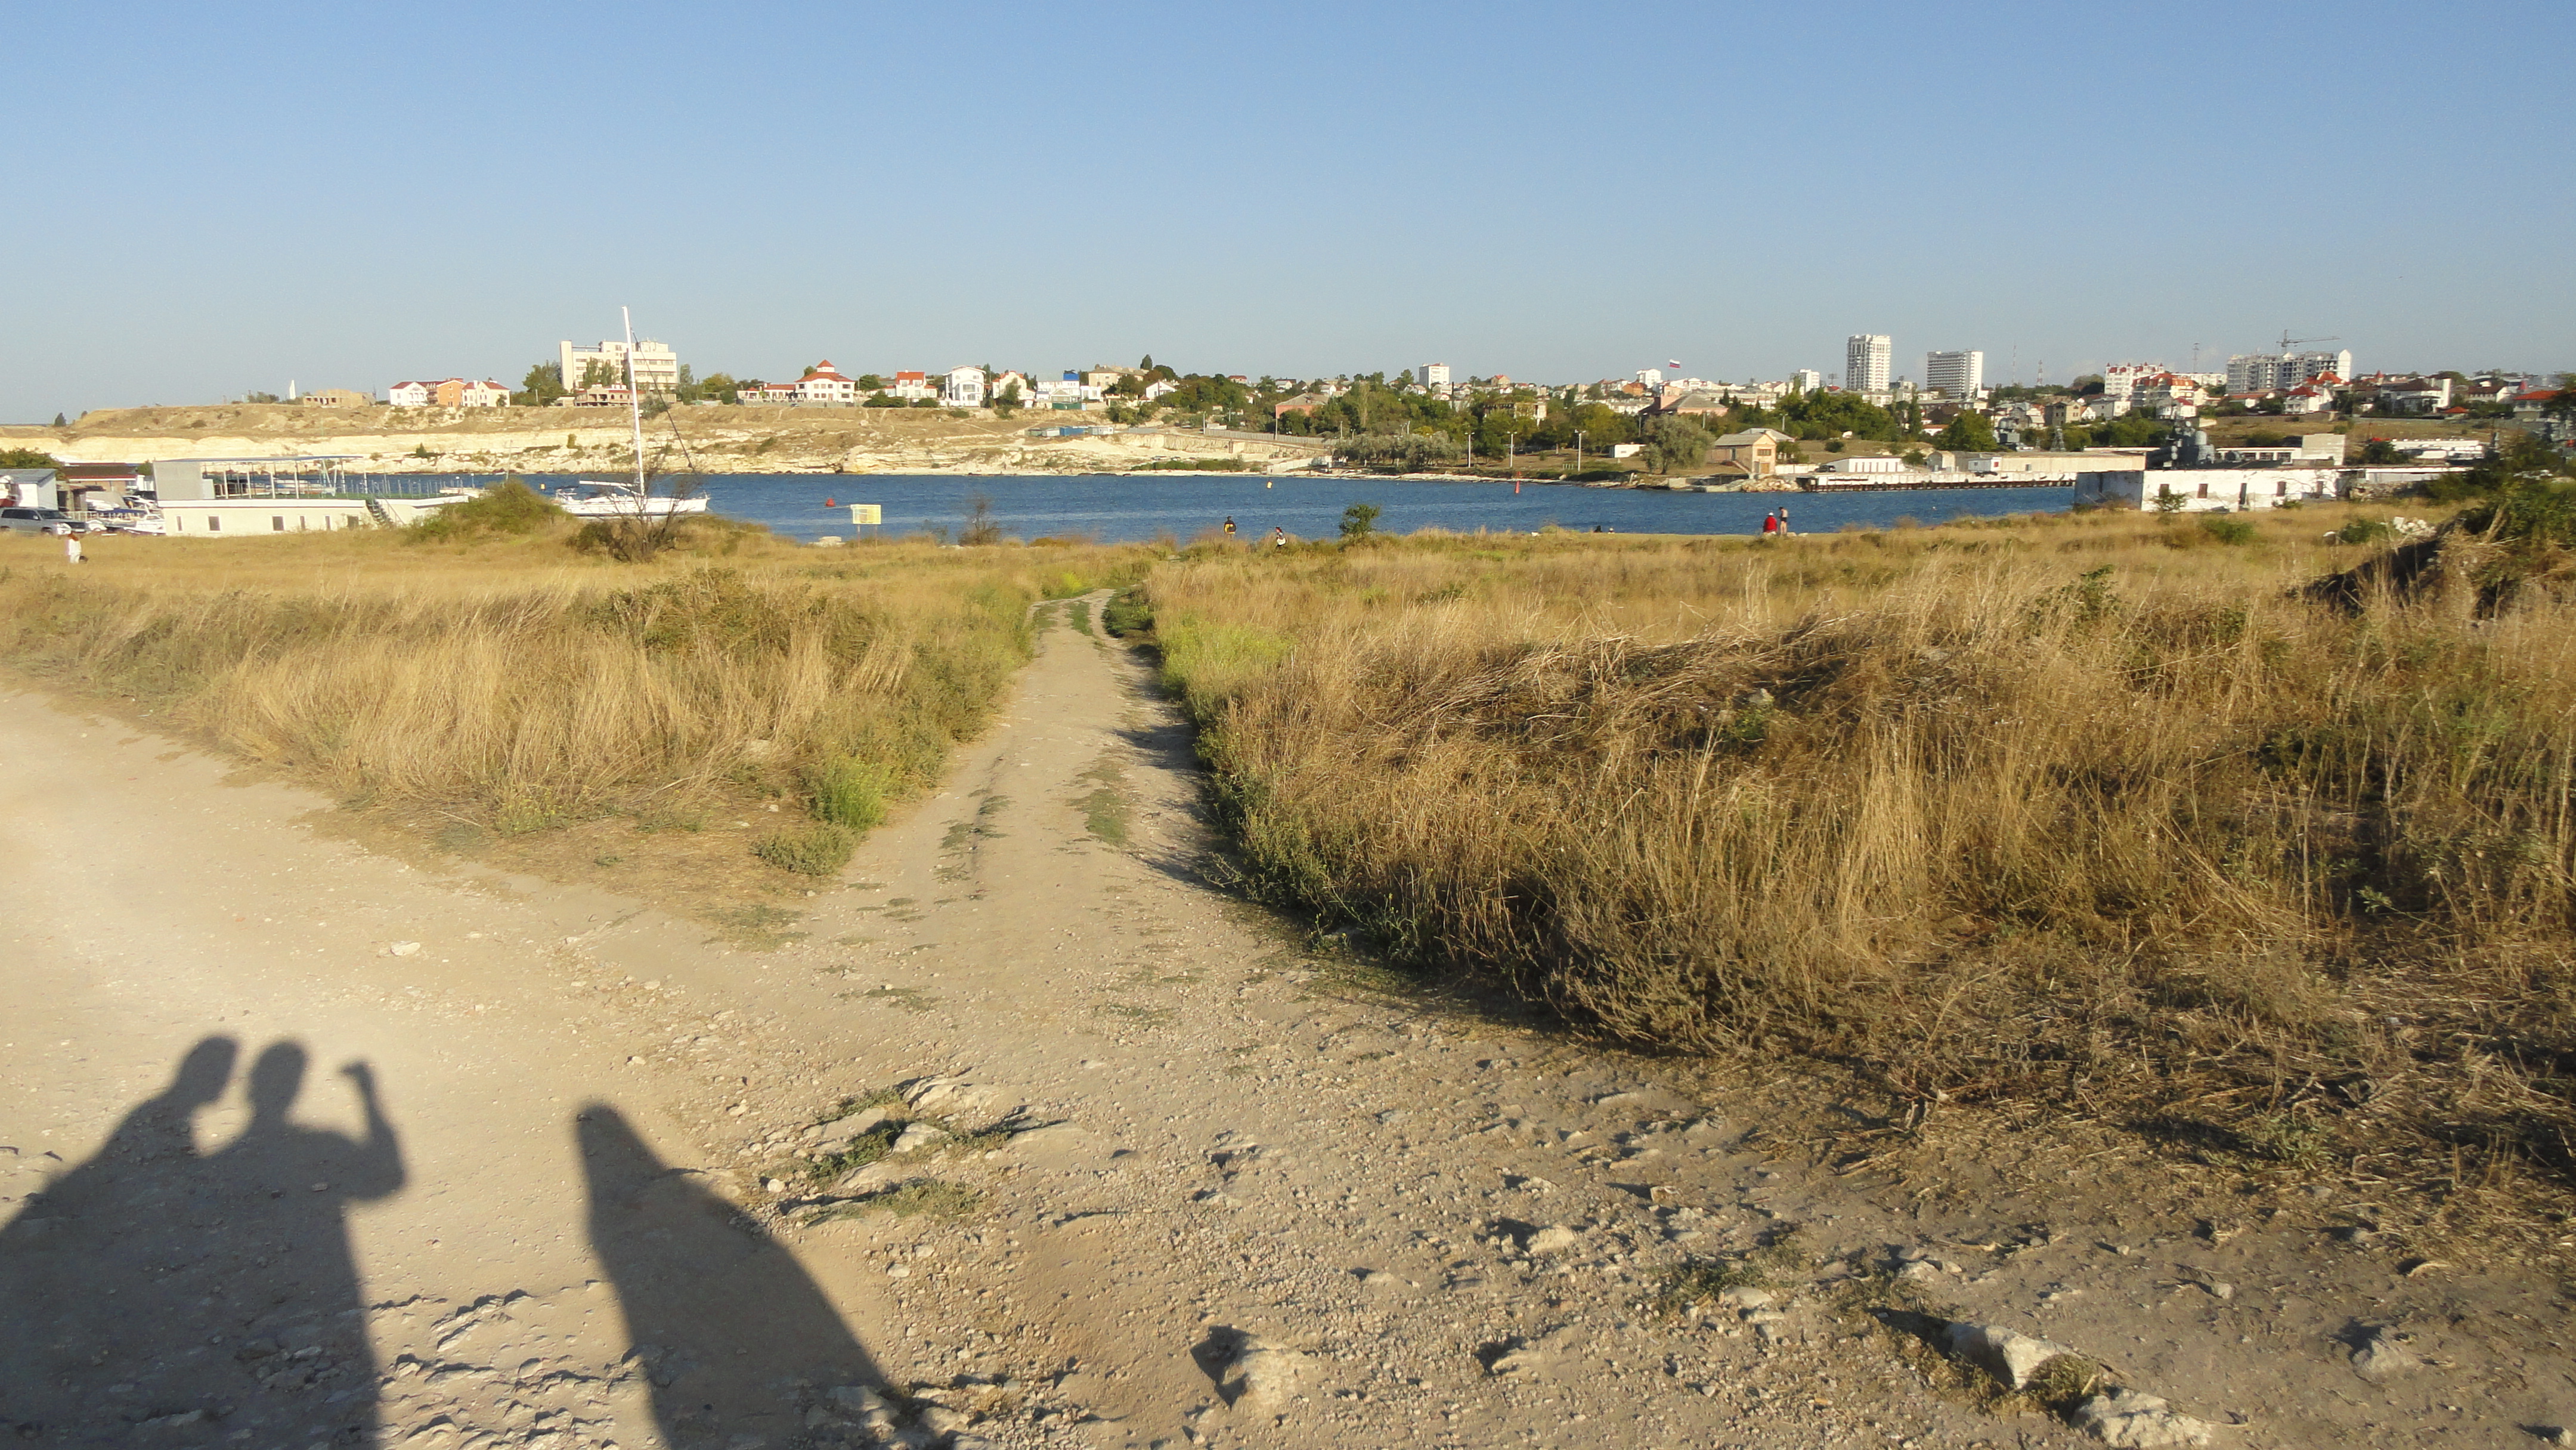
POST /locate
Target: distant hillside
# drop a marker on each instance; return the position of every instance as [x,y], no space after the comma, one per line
[568,440]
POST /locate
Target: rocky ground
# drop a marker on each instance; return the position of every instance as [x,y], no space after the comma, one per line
[706,439]
[1022,1134]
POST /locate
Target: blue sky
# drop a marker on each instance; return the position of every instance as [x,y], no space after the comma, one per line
[214,199]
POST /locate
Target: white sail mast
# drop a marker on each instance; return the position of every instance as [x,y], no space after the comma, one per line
[634,406]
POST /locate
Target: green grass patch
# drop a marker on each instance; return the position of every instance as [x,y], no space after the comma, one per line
[919,1198]
[1128,613]
[849,792]
[908,999]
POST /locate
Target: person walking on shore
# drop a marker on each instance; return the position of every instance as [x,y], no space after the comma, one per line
[1229,526]
[1784,519]
[71,548]
[1278,537]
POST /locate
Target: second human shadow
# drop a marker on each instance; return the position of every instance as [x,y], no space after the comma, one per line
[732,1331]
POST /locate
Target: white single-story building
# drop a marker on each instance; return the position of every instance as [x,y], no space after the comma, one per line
[2206,490]
[2209,490]
[225,518]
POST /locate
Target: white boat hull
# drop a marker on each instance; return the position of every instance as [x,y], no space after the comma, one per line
[627,506]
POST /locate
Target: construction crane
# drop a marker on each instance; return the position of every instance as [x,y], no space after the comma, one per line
[2288,342]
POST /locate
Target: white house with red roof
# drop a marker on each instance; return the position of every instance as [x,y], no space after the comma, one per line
[2168,395]
[2315,396]
[824,383]
[913,387]
[2534,404]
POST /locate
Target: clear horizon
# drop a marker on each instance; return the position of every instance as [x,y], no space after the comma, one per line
[216,202]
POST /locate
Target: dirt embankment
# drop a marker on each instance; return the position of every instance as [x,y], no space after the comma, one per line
[573,440]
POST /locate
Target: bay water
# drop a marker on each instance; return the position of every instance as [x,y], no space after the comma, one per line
[1126,507]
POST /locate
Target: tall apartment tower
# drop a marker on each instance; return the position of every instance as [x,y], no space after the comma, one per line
[1865,362]
[1957,375]
[1806,380]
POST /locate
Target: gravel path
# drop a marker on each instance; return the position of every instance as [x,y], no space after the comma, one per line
[1020,1134]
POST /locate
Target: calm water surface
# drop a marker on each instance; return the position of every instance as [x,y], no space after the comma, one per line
[1116,508]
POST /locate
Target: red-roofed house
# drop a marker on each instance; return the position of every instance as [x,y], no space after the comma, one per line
[2315,396]
[824,383]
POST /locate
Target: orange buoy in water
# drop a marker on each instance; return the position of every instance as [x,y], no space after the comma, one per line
[827,503]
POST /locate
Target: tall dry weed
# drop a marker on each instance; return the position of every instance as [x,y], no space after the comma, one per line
[502,687]
[1984,810]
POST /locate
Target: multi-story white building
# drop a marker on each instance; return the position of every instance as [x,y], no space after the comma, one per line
[1866,360]
[1955,375]
[1806,380]
[1650,378]
[913,387]
[2119,380]
[2259,372]
[1435,376]
[657,368]
[962,388]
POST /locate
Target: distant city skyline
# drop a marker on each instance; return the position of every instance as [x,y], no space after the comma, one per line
[1513,188]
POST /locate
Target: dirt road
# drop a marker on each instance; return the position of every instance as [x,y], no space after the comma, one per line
[1020,1133]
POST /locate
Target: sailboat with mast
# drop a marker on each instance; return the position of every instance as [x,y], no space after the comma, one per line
[604,498]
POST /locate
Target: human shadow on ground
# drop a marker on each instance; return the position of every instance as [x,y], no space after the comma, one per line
[199,1297]
[737,1341]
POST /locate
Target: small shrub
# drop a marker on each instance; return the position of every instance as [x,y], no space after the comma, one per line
[2227,530]
[850,792]
[507,507]
[1360,520]
[1699,1281]
[2362,531]
[816,850]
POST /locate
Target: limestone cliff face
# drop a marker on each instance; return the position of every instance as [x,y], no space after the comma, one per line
[585,440]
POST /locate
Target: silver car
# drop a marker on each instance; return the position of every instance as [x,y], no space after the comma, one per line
[40,521]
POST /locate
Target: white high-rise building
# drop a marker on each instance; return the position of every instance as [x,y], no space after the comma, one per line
[1956,375]
[2257,372]
[657,368]
[1866,359]
[1435,376]
[1806,380]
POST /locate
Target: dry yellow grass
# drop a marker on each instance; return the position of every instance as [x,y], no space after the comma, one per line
[511,686]
[2091,808]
